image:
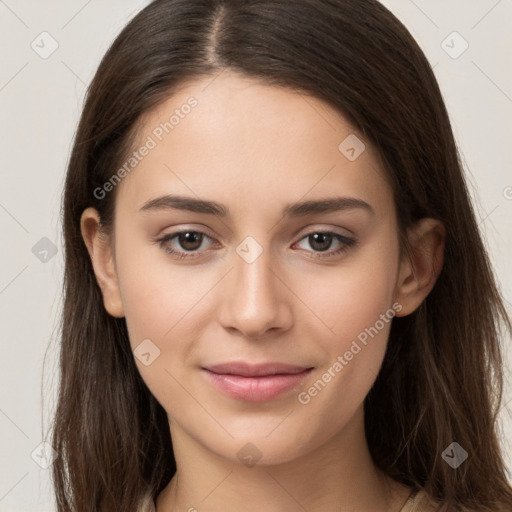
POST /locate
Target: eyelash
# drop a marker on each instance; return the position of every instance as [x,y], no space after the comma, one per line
[347,244]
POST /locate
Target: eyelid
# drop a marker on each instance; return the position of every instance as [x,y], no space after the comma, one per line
[308,230]
[183,228]
[346,243]
[324,228]
[167,237]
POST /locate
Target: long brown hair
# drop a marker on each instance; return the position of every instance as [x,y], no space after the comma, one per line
[441,380]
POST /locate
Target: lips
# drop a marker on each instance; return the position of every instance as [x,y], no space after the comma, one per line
[255,370]
[255,383]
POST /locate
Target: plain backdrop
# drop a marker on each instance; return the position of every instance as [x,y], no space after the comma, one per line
[41,94]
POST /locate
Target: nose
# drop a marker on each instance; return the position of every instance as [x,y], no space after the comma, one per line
[254,300]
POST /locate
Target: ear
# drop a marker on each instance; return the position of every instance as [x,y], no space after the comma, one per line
[100,250]
[419,271]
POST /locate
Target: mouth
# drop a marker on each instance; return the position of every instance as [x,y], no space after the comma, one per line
[255,383]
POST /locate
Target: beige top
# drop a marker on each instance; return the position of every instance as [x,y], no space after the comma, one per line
[417,502]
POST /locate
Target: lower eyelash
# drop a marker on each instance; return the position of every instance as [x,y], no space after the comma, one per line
[347,243]
[178,254]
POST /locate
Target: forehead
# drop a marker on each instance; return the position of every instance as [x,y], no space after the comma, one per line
[228,134]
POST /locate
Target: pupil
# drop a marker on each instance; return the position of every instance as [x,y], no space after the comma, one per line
[189,240]
[323,239]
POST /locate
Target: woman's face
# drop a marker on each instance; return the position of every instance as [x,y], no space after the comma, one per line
[258,282]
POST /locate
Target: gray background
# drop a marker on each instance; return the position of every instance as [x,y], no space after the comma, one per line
[40,102]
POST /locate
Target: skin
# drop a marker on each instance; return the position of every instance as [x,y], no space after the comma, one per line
[255,149]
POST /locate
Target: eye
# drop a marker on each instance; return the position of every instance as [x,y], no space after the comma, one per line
[187,243]
[190,242]
[321,241]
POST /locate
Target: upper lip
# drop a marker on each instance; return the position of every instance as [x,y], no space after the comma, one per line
[255,370]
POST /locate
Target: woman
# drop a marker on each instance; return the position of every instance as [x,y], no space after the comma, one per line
[276,294]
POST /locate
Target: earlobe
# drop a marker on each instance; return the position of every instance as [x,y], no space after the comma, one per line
[100,251]
[420,269]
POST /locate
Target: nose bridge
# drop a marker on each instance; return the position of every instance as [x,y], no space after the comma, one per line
[254,279]
[254,302]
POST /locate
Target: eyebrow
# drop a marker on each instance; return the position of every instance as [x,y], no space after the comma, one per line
[173,202]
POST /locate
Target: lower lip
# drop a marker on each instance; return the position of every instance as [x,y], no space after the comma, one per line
[255,389]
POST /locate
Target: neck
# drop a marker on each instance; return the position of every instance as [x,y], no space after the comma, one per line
[337,476]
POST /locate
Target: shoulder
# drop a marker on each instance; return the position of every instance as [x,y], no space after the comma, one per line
[148,505]
[420,501]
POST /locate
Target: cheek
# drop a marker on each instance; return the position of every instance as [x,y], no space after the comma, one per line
[358,309]
[166,309]
[351,299]
[157,296]
[157,309]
